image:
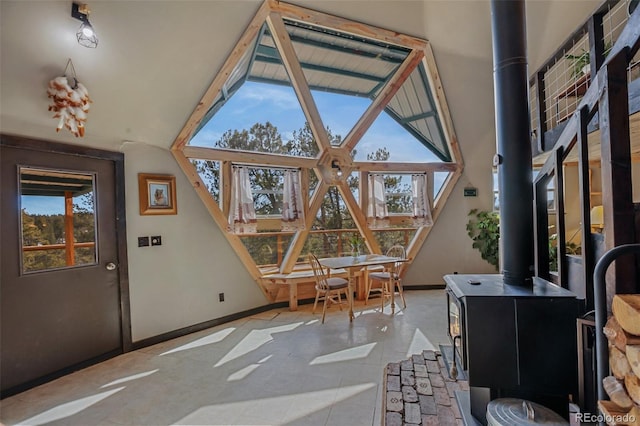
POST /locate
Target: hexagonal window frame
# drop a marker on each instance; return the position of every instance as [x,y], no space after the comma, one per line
[391,95]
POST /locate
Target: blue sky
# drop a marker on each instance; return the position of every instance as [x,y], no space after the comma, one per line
[259,102]
[42,205]
[36,204]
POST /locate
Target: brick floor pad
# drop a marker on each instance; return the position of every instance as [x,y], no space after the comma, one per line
[419,391]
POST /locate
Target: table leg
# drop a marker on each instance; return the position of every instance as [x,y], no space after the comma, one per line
[350,295]
[293,296]
[393,282]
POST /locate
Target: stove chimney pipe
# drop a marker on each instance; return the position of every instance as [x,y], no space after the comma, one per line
[513,158]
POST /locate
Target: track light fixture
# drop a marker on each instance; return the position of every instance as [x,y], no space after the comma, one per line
[335,165]
[86,35]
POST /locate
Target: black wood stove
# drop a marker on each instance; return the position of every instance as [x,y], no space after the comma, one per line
[514,341]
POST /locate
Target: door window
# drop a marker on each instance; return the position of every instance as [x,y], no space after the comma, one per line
[58,219]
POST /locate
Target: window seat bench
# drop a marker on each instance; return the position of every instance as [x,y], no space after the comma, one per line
[294,278]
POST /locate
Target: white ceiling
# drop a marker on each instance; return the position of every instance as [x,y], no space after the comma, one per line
[155,59]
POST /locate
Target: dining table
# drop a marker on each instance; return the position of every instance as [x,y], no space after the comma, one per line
[353,264]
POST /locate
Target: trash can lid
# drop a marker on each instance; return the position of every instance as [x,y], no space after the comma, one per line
[515,411]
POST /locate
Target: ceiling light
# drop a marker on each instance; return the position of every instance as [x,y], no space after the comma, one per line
[86,35]
[335,165]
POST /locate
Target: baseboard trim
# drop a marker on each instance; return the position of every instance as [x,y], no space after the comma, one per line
[239,315]
[57,374]
[204,325]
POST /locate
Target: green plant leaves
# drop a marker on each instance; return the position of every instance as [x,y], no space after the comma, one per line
[484,229]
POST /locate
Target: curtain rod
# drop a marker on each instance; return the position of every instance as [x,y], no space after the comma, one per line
[261,166]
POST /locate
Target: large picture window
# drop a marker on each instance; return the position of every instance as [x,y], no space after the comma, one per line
[340,102]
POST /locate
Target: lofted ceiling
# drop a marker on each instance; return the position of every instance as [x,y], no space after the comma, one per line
[155,59]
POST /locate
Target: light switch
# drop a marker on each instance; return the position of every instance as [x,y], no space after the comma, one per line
[156,240]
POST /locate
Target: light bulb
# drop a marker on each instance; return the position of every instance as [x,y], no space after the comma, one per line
[87,31]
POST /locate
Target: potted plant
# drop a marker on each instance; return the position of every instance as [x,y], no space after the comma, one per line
[356,242]
[581,61]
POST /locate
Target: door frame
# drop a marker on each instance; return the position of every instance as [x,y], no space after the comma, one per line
[27,143]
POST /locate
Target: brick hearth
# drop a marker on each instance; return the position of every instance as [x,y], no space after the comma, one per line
[419,391]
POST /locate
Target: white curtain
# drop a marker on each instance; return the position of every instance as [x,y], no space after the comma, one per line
[377,212]
[421,208]
[292,206]
[242,214]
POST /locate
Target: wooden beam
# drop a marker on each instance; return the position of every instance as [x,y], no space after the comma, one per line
[222,76]
[69,249]
[541,113]
[541,226]
[363,191]
[617,197]
[225,187]
[386,94]
[561,242]
[358,217]
[246,157]
[297,243]
[404,167]
[588,255]
[298,80]
[596,42]
[309,16]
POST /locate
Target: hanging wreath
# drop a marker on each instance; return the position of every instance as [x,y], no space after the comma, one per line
[70,101]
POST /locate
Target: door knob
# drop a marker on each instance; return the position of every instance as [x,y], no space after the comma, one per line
[110,266]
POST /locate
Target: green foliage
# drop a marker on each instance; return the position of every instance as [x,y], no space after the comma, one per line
[333,213]
[582,59]
[484,229]
[570,248]
[42,230]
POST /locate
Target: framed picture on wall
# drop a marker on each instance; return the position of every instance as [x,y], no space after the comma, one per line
[157,194]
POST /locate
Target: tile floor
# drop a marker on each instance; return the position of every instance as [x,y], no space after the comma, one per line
[275,368]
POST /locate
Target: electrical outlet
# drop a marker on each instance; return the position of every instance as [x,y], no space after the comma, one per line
[221,297]
[143,241]
[156,240]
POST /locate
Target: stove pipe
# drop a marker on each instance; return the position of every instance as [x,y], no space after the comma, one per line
[513,159]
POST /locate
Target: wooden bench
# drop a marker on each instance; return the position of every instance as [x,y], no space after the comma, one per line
[296,277]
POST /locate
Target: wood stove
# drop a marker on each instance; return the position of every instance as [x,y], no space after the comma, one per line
[514,341]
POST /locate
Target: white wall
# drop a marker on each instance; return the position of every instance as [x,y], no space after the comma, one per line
[177,284]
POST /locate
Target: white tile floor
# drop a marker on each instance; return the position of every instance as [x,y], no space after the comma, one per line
[275,368]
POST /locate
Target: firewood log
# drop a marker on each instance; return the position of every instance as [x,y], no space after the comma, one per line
[633,356]
[617,336]
[626,309]
[619,416]
[618,362]
[632,383]
[617,393]
[634,416]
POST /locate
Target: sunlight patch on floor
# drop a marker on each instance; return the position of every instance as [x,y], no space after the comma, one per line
[254,340]
[207,340]
[309,401]
[419,343]
[129,378]
[244,372]
[345,355]
[68,409]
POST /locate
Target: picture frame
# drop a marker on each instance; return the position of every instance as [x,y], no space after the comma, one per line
[157,194]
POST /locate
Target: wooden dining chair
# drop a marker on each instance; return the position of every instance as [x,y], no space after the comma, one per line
[328,288]
[383,282]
